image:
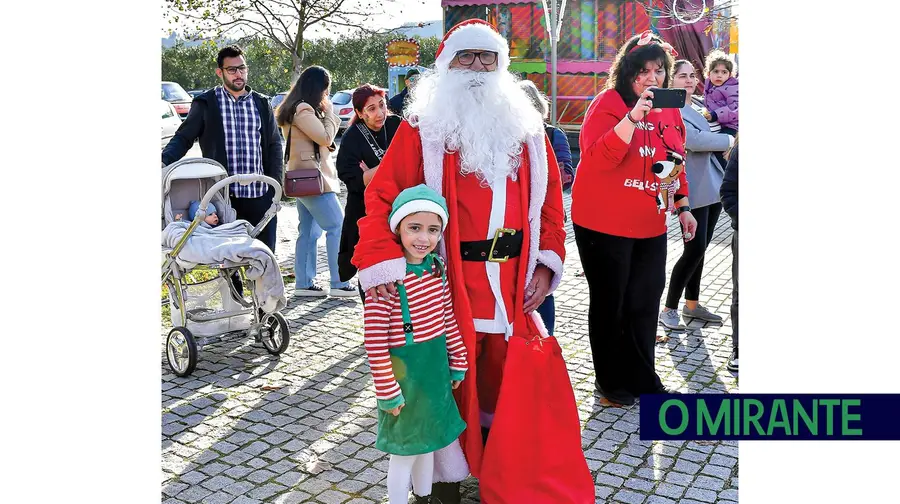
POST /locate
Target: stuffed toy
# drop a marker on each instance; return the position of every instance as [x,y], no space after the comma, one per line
[668,172]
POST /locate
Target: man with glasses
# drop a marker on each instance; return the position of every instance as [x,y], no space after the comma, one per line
[236,127]
[398,102]
[474,137]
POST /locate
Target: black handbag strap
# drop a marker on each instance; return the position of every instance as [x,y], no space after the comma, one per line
[287,150]
[379,152]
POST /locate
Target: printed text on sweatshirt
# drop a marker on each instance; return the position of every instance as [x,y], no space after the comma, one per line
[431,313]
[615,190]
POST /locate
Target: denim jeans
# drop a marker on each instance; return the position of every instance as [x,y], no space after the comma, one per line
[317,214]
[547,311]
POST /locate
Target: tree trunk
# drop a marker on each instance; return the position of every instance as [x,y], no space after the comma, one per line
[297,56]
[298,67]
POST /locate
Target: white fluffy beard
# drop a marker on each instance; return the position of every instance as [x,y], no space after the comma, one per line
[485,116]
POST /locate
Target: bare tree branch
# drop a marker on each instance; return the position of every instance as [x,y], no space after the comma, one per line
[326,12]
[283,22]
[253,30]
[664,9]
[259,8]
[345,13]
[239,22]
[291,5]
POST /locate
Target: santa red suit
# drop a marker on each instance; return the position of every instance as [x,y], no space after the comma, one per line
[516,192]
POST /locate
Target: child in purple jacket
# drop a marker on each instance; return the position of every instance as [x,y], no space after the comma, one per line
[721,92]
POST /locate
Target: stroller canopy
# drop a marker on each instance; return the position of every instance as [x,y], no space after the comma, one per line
[188,180]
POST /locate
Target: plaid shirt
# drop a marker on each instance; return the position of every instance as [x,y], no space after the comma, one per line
[243,140]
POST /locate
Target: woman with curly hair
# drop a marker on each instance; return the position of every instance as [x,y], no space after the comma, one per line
[619,226]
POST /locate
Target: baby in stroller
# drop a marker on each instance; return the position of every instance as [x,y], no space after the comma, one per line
[211,220]
[226,244]
[213,239]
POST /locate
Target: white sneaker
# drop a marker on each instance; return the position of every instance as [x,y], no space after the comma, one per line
[311,291]
[733,362]
[349,291]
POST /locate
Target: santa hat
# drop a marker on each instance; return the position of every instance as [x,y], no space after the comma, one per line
[420,198]
[472,34]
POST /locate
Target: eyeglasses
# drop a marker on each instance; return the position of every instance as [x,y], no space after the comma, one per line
[233,70]
[466,58]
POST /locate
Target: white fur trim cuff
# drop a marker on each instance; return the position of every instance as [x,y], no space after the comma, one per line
[415,206]
[384,272]
[450,464]
[552,260]
[474,36]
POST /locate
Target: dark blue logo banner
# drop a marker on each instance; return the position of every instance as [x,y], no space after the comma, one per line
[770,416]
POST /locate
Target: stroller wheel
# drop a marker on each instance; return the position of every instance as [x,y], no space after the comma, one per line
[275,334]
[181,351]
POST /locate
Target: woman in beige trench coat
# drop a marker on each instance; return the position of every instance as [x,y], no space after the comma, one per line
[306,116]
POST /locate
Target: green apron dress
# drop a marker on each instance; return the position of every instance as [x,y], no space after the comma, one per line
[429,419]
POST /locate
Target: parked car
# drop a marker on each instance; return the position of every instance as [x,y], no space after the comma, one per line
[277,99]
[173,93]
[196,92]
[341,101]
[170,122]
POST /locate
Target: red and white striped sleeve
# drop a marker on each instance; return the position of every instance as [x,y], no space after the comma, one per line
[376,324]
[455,346]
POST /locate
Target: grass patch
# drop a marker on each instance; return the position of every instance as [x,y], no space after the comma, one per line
[197,275]
[202,274]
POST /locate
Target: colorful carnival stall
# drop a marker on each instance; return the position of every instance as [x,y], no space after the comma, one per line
[402,55]
[591,31]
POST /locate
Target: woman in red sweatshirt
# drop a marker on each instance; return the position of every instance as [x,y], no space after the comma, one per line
[619,227]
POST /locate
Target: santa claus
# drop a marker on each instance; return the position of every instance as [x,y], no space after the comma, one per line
[475,138]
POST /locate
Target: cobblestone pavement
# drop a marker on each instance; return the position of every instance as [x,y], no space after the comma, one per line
[248,427]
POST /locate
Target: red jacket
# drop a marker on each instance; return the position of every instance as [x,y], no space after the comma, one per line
[615,189]
[379,256]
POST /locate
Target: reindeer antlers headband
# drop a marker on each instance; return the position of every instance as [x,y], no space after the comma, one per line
[647,39]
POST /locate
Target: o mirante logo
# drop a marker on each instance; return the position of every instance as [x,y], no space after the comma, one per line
[770,417]
[741,417]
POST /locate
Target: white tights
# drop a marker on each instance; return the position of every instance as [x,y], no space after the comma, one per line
[401,467]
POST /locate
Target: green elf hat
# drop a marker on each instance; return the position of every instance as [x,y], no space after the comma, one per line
[420,198]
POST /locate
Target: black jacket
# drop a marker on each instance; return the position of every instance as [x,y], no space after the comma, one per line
[729,191]
[396,103]
[204,121]
[354,148]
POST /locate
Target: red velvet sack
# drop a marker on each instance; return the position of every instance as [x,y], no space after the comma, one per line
[534,453]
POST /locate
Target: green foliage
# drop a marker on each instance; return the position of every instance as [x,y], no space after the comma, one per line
[427,49]
[270,66]
[352,60]
[195,67]
[192,67]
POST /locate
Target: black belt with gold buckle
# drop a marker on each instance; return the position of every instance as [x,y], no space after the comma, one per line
[507,243]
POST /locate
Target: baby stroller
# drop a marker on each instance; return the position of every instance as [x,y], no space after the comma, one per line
[208,311]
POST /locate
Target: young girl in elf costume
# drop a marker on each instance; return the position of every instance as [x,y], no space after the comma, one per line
[408,336]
